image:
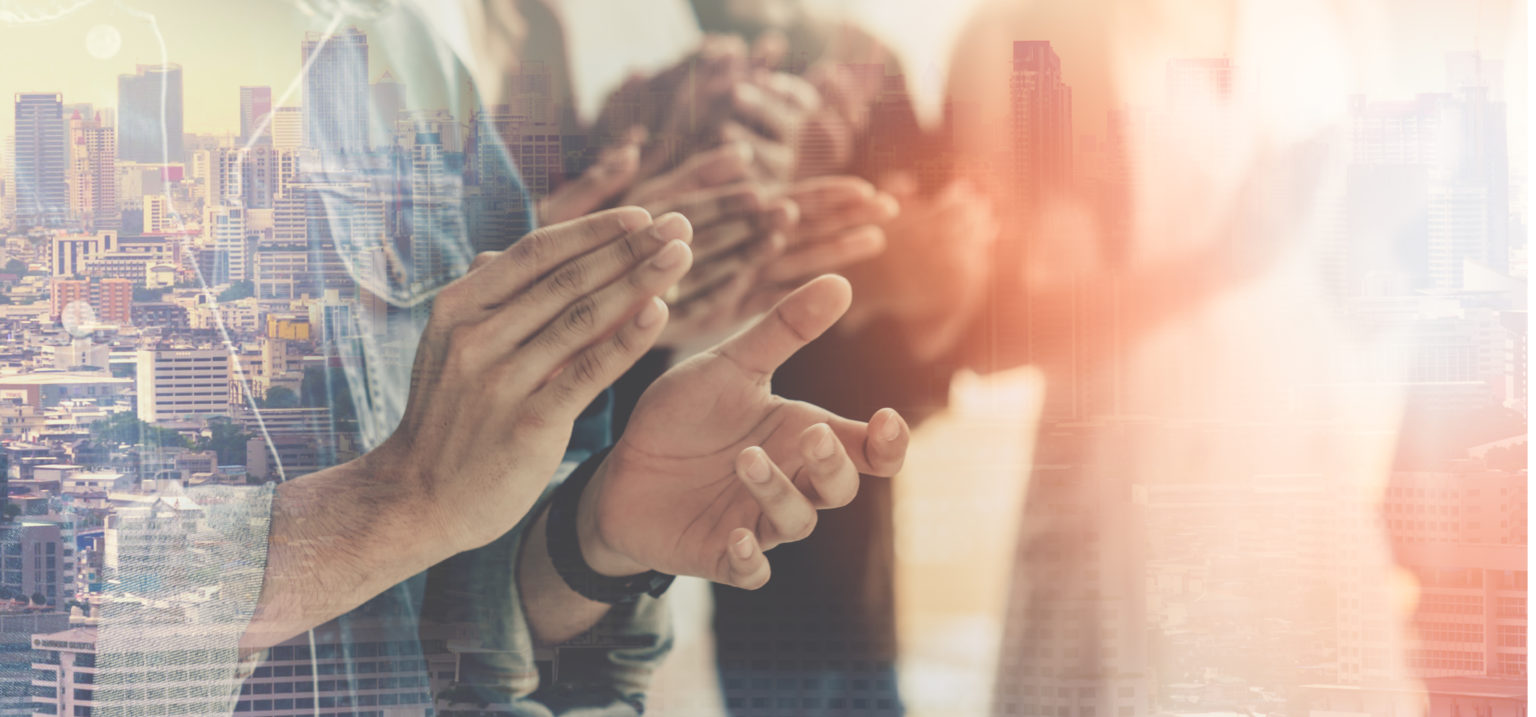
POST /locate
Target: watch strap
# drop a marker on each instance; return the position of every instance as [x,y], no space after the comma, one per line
[564,545]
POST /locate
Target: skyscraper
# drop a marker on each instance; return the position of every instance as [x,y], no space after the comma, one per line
[1042,123]
[93,171]
[429,208]
[336,92]
[224,225]
[1435,169]
[287,128]
[1041,169]
[40,155]
[149,128]
[226,175]
[259,179]
[255,106]
[388,103]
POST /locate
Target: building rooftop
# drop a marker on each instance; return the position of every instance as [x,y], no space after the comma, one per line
[61,379]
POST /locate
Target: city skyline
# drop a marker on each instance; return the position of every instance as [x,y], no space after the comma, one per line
[115,327]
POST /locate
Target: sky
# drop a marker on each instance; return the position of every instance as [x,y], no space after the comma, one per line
[251,42]
[1389,50]
[1113,51]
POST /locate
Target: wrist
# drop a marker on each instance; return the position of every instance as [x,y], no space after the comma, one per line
[596,549]
[404,502]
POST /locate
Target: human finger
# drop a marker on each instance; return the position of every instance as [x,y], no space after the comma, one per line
[794,322]
[828,476]
[519,266]
[787,515]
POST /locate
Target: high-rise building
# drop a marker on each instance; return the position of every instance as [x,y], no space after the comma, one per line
[1042,124]
[255,108]
[259,176]
[1042,169]
[93,171]
[149,115]
[224,229]
[495,212]
[16,656]
[336,88]
[40,156]
[159,218]
[430,205]
[39,560]
[285,684]
[226,175]
[287,128]
[175,383]
[388,103]
[281,260]
[1436,170]
[1482,139]
[1461,532]
[285,171]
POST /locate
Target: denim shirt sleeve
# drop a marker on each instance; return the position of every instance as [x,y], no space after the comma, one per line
[604,671]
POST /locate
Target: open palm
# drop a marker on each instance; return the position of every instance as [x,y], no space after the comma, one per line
[713,468]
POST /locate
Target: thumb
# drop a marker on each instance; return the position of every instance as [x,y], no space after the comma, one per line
[794,322]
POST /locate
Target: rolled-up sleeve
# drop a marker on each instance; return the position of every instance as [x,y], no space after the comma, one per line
[187,572]
[474,598]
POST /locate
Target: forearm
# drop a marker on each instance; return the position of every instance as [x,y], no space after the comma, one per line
[555,612]
[338,537]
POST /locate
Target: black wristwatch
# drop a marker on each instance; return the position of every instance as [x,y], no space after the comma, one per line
[565,547]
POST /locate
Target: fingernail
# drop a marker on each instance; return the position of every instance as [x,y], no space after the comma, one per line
[671,226]
[889,206]
[826,445]
[653,312]
[890,428]
[743,547]
[670,255]
[757,467]
[633,218]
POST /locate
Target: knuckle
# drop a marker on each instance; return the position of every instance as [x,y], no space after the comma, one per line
[464,358]
[629,249]
[568,279]
[587,368]
[532,249]
[623,342]
[483,258]
[582,316]
[450,299]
